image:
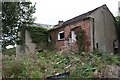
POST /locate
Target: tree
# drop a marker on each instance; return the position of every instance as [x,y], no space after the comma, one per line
[26,19]
[9,23]
[16,16]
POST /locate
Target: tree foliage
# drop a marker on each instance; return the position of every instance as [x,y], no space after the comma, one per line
[9,23]
[38,31]
[15,17]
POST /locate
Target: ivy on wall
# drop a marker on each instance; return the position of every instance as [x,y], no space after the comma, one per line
[38,34]
[80,40]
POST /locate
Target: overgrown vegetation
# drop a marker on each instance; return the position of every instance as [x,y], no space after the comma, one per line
[10,52]
[80,40]
[48,63]
[43,39]
[38,34]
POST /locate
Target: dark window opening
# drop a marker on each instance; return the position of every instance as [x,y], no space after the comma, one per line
[115,46]
[50,37]
[97,45]
[116,50]
[61,35]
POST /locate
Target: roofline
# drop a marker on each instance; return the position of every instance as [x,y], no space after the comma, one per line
[87,13]
[69,24]
[111,13]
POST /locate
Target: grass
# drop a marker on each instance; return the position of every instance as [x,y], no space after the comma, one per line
[44,64]
[9,52]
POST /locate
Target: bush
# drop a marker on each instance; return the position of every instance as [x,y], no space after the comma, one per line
[10,52]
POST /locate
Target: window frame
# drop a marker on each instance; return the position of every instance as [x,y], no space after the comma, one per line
[59,35]
[73,36]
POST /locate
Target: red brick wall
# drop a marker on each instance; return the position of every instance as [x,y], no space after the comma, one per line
[63,44]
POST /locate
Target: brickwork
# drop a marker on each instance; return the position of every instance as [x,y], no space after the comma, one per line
[64,44]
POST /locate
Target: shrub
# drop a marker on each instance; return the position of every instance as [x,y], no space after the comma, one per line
[9,52]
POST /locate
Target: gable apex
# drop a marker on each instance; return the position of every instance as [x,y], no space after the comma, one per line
[83,16]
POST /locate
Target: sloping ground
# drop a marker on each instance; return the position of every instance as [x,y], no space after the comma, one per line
[44,64]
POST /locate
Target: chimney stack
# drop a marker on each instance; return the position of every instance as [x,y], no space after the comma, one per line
[60,22]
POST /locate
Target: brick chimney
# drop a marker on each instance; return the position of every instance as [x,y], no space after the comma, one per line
[60,22]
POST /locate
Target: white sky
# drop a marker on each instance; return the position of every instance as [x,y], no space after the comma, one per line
[51,11]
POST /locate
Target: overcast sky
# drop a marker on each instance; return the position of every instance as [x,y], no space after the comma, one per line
[51,11]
